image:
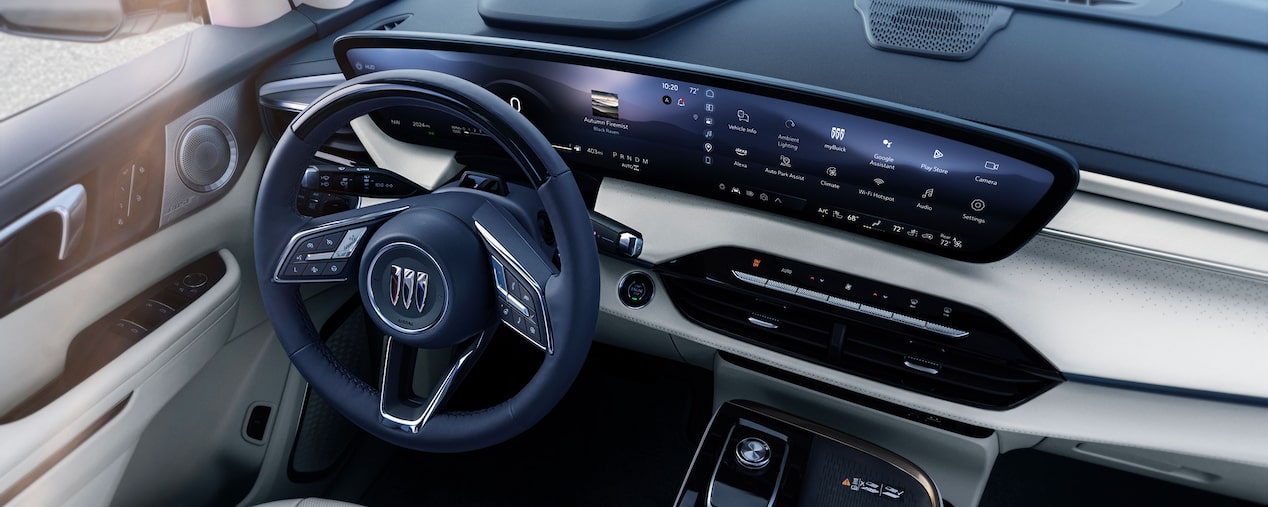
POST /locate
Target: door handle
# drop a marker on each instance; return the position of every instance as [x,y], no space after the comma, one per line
[70,204]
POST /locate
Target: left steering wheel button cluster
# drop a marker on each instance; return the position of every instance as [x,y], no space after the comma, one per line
[321,256]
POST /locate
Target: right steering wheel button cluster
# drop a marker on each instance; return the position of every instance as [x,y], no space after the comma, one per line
[518,306]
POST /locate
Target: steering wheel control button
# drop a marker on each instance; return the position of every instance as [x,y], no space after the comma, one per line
[635,290]
[752,453]
[328,242]
[313,269]
[499,275]
[520,292]
[348,244]
[406,288]
[335,268]
[307,245]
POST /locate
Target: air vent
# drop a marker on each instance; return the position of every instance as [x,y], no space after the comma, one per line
[946,372]
[989,368]
[389,24]
[797,330]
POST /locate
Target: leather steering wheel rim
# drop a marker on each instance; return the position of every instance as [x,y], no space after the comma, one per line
[571,294]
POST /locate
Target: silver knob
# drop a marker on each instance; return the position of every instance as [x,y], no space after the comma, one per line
[752,453]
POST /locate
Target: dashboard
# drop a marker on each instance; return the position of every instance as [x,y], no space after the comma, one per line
[889,244]
[924,181]
[1121,300]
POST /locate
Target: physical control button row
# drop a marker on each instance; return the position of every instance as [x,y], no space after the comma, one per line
[322,256]
[523,324]
[848,305]
[517,305]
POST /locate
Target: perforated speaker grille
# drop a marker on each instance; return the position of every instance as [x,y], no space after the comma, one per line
[950,29]
[206,155]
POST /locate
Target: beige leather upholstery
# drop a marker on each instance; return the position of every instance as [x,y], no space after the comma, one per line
[308,502]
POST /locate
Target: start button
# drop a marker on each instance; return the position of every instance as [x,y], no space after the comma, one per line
[635,289]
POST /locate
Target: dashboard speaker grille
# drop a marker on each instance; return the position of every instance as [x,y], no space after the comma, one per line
[950,29]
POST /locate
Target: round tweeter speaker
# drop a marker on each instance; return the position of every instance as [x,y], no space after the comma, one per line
[206,154]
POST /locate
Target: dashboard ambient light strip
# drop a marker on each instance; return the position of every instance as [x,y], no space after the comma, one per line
[849,305]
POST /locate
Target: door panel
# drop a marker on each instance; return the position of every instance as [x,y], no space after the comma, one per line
[142,379]
[73,445]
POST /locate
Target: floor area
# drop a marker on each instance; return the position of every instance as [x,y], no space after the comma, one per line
[624,436]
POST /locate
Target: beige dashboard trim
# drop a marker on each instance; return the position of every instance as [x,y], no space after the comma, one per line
[1172,200]
[1254,274]
[1073,411]
[1128,217]
[1089,310]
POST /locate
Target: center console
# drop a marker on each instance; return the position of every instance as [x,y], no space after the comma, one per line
[755,456]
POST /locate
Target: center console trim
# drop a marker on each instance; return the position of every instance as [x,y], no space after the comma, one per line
[902,464]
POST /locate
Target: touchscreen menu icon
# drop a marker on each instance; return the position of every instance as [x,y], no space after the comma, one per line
[604,104]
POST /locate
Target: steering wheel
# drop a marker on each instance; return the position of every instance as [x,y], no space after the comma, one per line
[442,270]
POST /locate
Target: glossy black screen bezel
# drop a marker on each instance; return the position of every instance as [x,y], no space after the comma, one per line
[1061,166]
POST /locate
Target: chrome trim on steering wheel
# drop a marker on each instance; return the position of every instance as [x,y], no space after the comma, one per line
[507,259]
[438,394]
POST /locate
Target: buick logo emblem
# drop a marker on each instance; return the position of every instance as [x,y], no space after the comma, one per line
[407,288]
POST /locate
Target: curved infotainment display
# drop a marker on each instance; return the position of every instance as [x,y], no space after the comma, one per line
[930,182]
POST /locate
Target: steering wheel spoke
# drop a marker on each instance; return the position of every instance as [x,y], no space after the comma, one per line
[325,249]
[520,275]
[399,405]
